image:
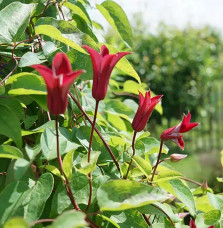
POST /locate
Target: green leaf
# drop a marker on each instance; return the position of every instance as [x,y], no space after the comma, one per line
[20,167]
[68,164]
[117,18]
[80,186]
[32,151]
[40,194]
[81,61]
[83,135]
[86,167]
[53,32]
[16,222]
[116,122]
[30,58]
[10,125]
[69,31]
[184,194]
[26,84]
[77,10]
[124,64]
[2,90]
[15,105]
[152,145]
[165,174]
[203,204]
[10,152]
[143,165]
[60,201]
[150,209]
[49,146]
[12,197]
[211,217]
[119,108]
[215,200]
[14,20]
[127,219]
[70,219]
[54,170]
[120,195]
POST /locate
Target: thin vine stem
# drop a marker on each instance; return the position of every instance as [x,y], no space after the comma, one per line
[41,221]
[89,154]
[192,181]
[164,213]
[66,181]
[157,162]
[146,220]
[96,130]
[133,154]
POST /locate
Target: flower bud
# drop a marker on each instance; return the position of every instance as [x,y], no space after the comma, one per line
[177,157]
[204,185]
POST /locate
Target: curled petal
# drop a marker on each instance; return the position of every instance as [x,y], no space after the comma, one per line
[117,57]
[47,74]
[61,64]
[179,141]
[186,125]
[69,78]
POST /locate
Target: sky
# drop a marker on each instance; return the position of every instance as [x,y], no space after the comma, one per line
[180,13]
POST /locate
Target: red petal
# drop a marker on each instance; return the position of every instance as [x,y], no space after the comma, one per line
[47,74]
[69,78]
[179,142]
[141,99]
[117,57]
[167,134]
[104,50]
[192,224]
[61,64]
[186,125]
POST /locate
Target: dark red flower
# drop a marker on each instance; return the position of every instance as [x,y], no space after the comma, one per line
[192,224]
[58,82]
[145,109]
[174,132]
[103,64]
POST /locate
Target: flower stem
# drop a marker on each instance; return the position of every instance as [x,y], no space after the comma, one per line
[66,181]
[158,160]
[192,181]
[133,154]
[41,221]
[89,154]
[98,132]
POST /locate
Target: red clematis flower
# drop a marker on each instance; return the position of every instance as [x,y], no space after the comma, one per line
[103,64]
[192,224]
[58,82]
[145,109]
[174,132]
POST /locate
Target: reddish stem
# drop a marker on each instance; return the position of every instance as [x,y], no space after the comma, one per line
[146,220]
[157,162]
[89,154]
[133,154]
[41,221]
[98,132]
[67,184]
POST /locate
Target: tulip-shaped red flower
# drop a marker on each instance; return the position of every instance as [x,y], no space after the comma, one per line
[145,109]
[174,133]
[58,82]
[103,64]
[192,224]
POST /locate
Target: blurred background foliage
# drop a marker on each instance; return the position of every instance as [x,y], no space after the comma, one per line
[186,67]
